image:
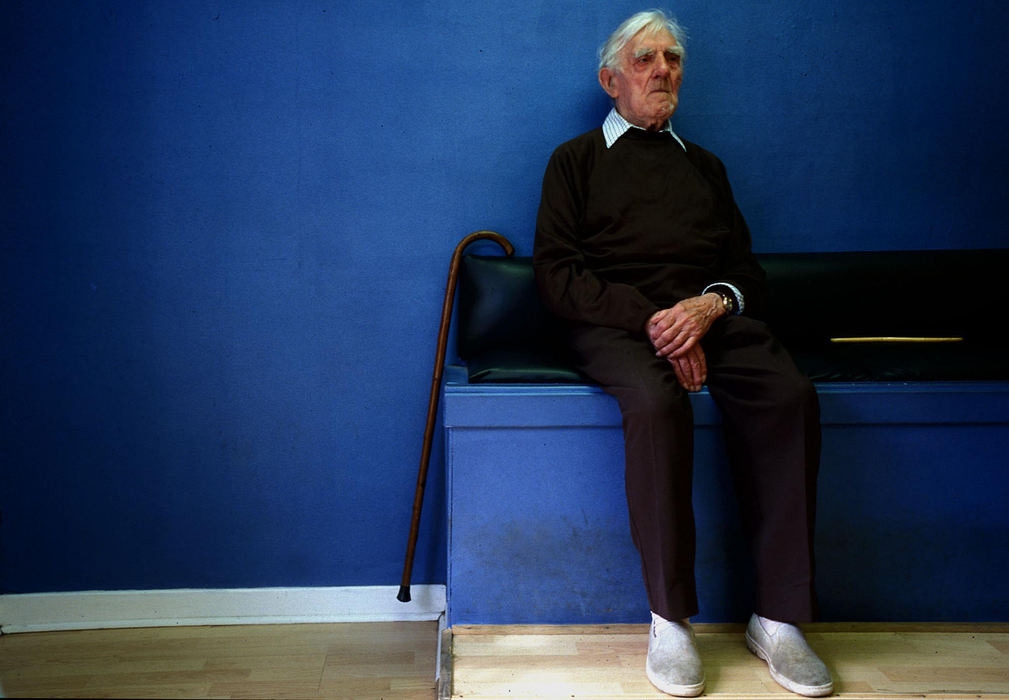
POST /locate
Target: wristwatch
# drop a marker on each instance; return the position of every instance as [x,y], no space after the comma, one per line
[728,303]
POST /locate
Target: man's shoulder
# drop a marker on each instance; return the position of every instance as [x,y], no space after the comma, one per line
[700,151]
[582,144]
[703,158]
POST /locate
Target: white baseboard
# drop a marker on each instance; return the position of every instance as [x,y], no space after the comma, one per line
[40,612]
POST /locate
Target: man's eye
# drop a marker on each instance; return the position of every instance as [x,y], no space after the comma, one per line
[646,58]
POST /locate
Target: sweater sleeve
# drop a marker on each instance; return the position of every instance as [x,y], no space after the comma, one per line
[567,286]
[738,265]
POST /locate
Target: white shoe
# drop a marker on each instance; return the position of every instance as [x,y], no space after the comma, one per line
[673,665]
[793,665]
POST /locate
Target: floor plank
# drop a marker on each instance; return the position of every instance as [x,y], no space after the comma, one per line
[366,661]
[396,661]
[868,661]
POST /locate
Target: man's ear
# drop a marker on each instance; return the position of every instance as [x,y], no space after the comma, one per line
[607,79]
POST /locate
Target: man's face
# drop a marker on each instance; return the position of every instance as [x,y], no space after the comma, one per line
[646,86]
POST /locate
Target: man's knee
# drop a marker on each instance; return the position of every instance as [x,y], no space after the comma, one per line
[661,401]
[803,394]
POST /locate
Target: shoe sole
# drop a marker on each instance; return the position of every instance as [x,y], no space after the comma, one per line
[677,690]
[811,691]
[682,691]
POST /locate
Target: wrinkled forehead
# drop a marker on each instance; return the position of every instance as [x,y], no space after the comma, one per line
[657,40]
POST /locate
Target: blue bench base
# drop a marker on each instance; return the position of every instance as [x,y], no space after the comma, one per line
[914,485]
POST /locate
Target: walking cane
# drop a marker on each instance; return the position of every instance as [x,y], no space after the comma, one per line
[432,404]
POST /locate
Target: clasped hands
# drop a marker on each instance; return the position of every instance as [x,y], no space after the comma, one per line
[676,333]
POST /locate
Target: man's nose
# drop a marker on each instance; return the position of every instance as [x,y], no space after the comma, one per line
[662,66]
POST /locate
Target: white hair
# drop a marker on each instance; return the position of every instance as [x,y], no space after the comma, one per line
[650,21]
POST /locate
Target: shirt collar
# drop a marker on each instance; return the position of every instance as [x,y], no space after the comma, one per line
[616,126]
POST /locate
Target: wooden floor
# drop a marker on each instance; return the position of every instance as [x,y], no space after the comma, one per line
[867,661]
[392,661]
[397,661]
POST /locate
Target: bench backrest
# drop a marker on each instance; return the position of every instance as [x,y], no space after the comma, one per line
[504,334]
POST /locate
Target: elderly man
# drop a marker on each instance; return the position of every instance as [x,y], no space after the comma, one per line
[641,249]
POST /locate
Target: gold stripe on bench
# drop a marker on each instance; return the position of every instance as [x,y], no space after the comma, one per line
[895,339]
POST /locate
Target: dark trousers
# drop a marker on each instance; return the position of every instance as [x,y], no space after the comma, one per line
[770,415]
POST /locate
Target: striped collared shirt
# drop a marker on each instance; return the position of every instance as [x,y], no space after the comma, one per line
[615,126]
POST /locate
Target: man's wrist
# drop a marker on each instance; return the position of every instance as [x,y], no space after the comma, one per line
[724,304]
[733,297]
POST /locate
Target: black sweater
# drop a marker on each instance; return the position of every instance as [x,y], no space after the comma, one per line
[626,231]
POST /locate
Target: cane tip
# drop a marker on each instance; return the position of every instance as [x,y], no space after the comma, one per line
[404,594]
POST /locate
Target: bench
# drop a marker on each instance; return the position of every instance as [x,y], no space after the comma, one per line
[914,481]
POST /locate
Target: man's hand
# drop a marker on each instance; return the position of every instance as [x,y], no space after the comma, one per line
[676,334]
[691,368]
[675,331]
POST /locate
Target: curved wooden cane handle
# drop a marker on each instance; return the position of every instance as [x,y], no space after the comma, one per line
[432,404]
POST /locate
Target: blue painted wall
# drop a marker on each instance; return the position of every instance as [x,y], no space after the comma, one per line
[225,228]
